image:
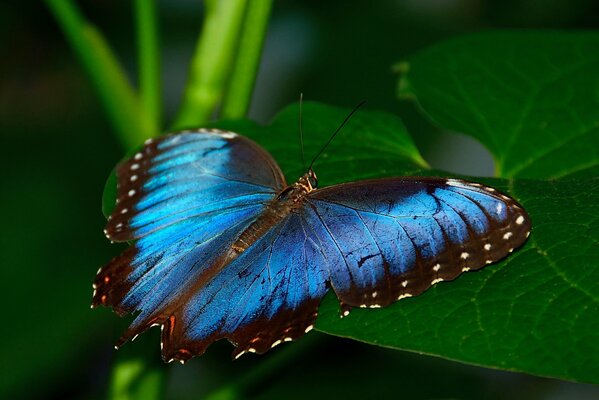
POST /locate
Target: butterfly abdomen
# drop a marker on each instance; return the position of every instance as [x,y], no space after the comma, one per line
[290,198]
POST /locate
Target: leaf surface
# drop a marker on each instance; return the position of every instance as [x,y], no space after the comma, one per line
[535,312]
[532,98]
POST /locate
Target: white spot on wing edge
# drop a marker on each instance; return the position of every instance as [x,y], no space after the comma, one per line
[508,235]
[464,255]
[403,296]
[436,281]
[226,135]
[308,328]
[488,246]
[454,182]
[138,156]
[437,267]
[278,342]
[520,220]
[238,355]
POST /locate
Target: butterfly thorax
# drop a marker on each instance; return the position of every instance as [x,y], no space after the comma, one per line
[287,201]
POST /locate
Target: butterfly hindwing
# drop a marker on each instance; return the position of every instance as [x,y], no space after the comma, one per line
[270,294]
[394,238]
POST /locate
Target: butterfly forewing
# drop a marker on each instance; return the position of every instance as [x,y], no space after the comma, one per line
[394,238]
[184,197]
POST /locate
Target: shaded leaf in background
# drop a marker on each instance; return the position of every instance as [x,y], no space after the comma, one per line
[535,312]
[532,98]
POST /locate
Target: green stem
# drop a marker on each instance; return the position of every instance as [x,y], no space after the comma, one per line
[239,95]
[130,123]
[148,58]
[211,62]
[134,379]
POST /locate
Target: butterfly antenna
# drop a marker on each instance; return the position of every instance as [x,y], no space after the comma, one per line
[301,131]
[356,108]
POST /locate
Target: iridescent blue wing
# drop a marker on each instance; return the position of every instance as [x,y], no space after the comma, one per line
[392,238]
[374,242]
[183,198]
[268,295]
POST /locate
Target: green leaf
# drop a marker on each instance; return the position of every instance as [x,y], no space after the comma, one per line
[535,312]
[369,138]
[532,98]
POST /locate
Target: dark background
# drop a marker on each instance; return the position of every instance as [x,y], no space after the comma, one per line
[57,150]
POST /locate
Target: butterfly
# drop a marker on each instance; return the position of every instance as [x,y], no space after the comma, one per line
[223,247]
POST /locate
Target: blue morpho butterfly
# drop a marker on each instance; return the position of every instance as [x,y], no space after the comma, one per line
[224,248]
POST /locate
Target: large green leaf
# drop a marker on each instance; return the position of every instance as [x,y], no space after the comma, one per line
[531,98]
[535,312]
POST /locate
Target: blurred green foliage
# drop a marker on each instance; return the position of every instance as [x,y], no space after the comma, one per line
[57,150]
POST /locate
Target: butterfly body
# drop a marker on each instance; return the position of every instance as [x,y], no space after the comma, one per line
[226,249]
[289,200]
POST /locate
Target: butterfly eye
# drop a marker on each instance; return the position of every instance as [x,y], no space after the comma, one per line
[313,181]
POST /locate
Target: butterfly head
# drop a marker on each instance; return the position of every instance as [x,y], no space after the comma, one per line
[295,193]
[309,181]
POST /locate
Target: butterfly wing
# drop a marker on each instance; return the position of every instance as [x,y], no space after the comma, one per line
[268,295]
[183,198]
[187,197]
[392,238]
[374,241]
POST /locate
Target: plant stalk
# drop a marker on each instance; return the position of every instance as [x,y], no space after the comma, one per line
[245,69]
[211,62]
[131,124]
